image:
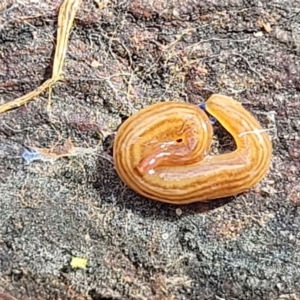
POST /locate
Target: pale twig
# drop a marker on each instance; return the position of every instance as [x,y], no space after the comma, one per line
[65,20]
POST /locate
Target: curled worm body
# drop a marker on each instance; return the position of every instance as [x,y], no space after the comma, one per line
[161,152]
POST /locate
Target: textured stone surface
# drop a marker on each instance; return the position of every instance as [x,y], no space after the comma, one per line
[123,56]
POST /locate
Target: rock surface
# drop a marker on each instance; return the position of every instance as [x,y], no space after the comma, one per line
[124,55]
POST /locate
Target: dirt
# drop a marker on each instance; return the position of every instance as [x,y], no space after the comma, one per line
[122,56]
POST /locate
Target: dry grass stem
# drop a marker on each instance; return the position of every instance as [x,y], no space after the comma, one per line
[65,20]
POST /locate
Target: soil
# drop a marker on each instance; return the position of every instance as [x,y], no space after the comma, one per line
[124,55]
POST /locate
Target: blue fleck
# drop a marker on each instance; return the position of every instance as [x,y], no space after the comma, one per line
[32,155]
[29,156]
[202,106]
[213,120]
